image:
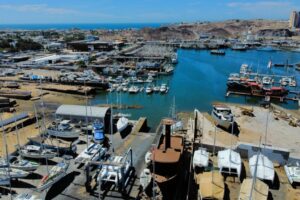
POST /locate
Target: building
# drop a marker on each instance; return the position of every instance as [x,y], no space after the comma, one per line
[294,20]
[96,45]
[81,113]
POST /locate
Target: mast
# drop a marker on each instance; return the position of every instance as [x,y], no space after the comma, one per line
[6,153]
[86,118]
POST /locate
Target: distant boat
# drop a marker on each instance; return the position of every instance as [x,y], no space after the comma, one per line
[26,196]
[149,89]
[267,80]
[239,47]
[133,89]
[98,132]
[122,124]
[217,52]
[222,115]
[56,173]
[163,88]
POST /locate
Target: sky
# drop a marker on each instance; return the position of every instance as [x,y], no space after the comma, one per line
[141,11]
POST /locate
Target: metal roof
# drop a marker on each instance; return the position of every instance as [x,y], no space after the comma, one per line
[82,111]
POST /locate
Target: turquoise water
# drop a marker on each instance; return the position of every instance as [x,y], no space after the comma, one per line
[80,26]
[199,80]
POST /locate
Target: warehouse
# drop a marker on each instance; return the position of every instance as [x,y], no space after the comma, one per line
[80,113]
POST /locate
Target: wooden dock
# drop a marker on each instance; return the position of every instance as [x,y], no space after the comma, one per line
[281,99]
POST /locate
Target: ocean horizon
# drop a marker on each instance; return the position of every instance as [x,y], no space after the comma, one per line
[83,26]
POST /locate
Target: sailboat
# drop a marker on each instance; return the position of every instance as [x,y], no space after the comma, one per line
[265,167]
[55,174]
[21,164]
[36,152]
[13,173]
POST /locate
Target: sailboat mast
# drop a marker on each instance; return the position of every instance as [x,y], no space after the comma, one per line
[86,114]
[6,153]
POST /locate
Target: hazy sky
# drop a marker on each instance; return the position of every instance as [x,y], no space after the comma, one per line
[124,11]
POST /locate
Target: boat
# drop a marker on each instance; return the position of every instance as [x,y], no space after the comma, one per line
[133,89]
[285,81]
[267,80]
[36,152]
[145,178]
[148,158]
[92,153]
[239,47]
[234,77]
[13,173]
[156,88]
[24,165]
[211,185]
[63,129]
[26,196]
[245,69]
[149,79]
[125,89]
[275,91]
[293,83]
[292,171]
[222,115]
[217,52]
[166,159]
[56,173]
[201,158]
[4,178]
[98,132]
[230,162]
[122,124]
[163,88]
[265,168]
[149,89]
[252,188]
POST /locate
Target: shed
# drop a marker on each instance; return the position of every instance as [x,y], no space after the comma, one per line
[80,113]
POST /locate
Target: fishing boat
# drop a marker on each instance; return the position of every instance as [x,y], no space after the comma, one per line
[149,79]
[245,69]
[92,153]
[222,115]
[13,173]
[293,83]
[36,152]
[63,129]
[122,124]
[267,80]
[200,158]
[285,81]
[165,160]
[230,162]
[56,173]
[125,89]
[292,171]
[217,52]
[252,188]
[265,168]
[149,89]
[98,132]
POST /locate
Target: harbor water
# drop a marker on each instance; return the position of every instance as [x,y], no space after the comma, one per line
[199,80]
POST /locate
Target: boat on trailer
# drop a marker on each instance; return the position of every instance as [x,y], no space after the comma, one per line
[63,129]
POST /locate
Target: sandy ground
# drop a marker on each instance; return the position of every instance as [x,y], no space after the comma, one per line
[51,101]
[279,132]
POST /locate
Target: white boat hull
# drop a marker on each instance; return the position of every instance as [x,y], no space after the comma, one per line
[294,177]
[63,134]
[122,124]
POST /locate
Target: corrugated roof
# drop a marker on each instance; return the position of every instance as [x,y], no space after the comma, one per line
[81,111]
